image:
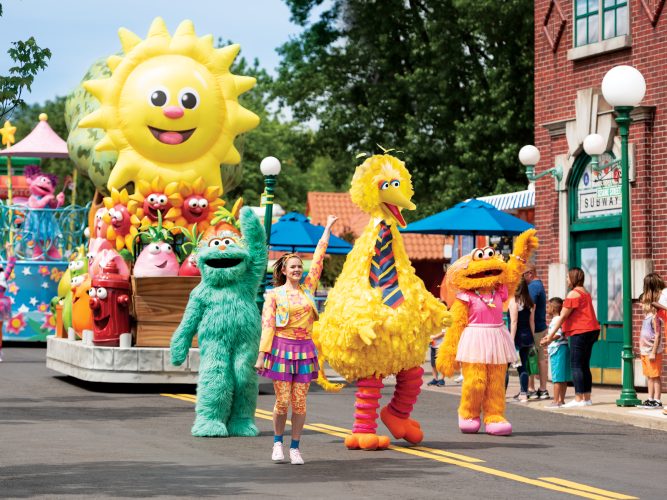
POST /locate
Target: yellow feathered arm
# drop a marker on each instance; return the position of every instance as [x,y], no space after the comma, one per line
[446,360]
[524,246]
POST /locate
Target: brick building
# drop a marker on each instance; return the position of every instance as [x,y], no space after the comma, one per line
[578,219]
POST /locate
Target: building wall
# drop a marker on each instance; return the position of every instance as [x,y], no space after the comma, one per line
[557,81]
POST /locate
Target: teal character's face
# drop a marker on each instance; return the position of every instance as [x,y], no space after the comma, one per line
[223,259]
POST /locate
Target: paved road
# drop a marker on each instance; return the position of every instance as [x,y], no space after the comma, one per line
[61,438]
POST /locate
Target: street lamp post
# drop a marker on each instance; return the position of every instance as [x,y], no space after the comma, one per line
[270,168]
[623,87]
[529,156]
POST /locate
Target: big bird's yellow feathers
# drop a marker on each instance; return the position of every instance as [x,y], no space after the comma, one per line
[358,335]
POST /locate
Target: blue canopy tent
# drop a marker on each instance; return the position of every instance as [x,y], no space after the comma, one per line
[294,233]
[472,217]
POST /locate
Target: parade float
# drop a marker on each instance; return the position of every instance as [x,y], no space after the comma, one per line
[153,127]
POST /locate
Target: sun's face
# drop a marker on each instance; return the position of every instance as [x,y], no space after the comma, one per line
[170,107]
[175,109]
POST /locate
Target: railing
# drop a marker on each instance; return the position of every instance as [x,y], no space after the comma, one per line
[43,233]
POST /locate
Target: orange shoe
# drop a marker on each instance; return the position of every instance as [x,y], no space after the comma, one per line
[402,428]
[365,441]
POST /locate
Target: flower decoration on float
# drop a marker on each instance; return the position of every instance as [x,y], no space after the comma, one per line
[117,219]
[150,199]
[170,107]
[196,204]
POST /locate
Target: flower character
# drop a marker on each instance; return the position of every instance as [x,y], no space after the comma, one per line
[120,229]
[196,205]
[150,199]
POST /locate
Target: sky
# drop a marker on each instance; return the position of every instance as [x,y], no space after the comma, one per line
[78,32]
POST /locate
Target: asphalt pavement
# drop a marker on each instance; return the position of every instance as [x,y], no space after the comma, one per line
[61,438]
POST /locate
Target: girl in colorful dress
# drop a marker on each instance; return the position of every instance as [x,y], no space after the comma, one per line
[287,354]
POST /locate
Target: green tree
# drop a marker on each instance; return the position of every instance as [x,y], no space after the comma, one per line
[28,59]
[293,144]
[449,82]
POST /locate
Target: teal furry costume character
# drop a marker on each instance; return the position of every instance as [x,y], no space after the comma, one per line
[223,312]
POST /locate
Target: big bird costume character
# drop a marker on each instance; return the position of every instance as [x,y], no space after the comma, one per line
[478,338]
[379,315]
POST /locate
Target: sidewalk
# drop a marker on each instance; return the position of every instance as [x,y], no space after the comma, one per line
[603,397]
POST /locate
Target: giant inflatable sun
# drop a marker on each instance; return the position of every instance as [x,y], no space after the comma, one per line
[170,107]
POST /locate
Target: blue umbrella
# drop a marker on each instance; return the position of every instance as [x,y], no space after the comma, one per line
[472,217]
[294,233]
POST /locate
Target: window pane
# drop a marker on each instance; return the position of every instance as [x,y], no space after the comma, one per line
[593,35]
[609,3]
[615,284]
[589,264]
[622,21]
[609,27]
[581,7]
[581,32]
[592,6]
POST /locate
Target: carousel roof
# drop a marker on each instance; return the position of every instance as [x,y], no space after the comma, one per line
[42,142]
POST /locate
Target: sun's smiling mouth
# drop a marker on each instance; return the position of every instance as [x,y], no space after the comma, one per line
[171,137]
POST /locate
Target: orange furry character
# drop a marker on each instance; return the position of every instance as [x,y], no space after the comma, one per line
[478,338]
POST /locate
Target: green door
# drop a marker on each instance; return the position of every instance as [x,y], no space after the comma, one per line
[599,254]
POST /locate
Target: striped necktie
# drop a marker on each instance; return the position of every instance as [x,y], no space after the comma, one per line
[383,269]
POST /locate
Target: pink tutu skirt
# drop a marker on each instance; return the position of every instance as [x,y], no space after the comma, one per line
[486,344]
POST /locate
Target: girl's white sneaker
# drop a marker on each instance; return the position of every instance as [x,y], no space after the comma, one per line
[277,455]
[295,456]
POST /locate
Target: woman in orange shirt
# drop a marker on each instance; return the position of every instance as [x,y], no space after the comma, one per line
[579,323]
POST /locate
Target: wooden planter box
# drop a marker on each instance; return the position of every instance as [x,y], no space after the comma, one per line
[158,305]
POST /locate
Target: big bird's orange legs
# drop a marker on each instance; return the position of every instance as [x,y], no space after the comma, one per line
[363,431]
[396,415]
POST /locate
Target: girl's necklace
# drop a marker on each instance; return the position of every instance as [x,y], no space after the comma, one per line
[488,302]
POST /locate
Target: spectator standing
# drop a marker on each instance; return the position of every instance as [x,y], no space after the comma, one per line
[650,339]
[539,298]
[436,340]
[580,325]
[522,328]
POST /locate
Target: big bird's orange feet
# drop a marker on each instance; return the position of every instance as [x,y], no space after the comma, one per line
[366,441]
[402,428]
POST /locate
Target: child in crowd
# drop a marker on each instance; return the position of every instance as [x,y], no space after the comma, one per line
[436,340]
[650,339]
[559,356]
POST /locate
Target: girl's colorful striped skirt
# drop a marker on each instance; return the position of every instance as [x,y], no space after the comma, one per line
[291,360]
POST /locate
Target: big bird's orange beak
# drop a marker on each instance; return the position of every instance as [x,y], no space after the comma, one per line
[392,202]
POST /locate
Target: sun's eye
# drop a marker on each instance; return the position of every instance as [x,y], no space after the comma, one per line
[165,247]
[92,292]
[152,199]
[154,248]
[102,293]
[193,203]
[159,97]
[162,199]
[216,242]
[384,185]
[477,254]
[189,98]
[203,203]
[489,252]
[395,183]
